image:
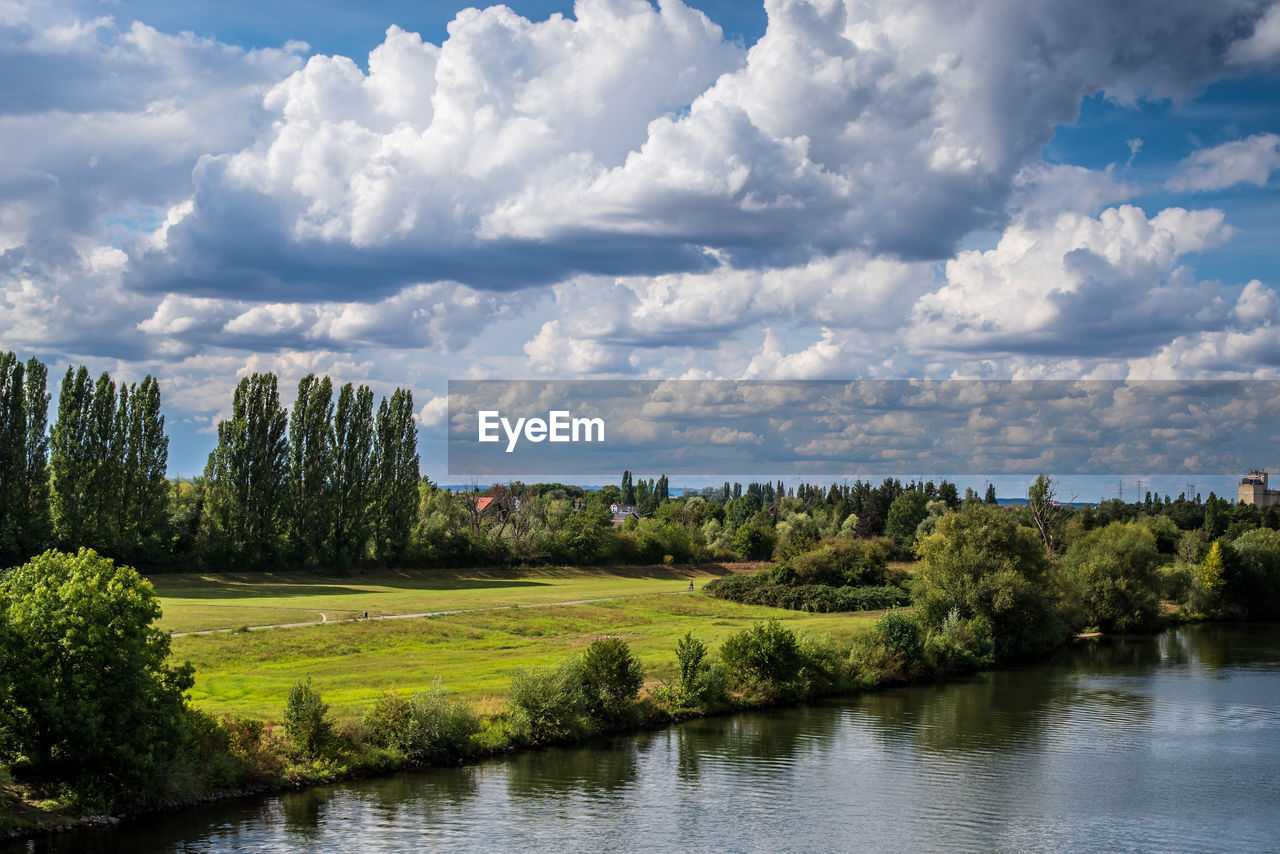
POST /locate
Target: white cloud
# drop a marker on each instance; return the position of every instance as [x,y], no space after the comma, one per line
[1263,44]
[1244,161]
[1080,286]
[434,412]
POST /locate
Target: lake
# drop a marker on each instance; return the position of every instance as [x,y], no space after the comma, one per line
[1169,742]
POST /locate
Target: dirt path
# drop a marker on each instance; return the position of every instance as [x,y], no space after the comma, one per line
[325,621]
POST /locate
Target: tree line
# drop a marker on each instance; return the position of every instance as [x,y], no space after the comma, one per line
[328,482]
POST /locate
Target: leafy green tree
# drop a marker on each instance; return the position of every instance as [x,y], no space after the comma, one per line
[246,477]
[69,459]
[766,655]
[104,494]
[754,541]
[990,496]
[36,528]
[628,489]
[95,700]
[352,479]
[306,720]
[1047,514]
[550,704]
[311,462]
[13,458]
[981,563]
[1258,585]
[905,515]
[612,676]
[396,476]
[1111,573]
[146,487]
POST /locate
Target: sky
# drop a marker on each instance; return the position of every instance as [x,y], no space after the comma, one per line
[401,194]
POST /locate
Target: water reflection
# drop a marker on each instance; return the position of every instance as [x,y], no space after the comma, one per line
[1165,742]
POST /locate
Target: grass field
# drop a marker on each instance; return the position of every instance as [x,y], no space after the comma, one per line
[509,620]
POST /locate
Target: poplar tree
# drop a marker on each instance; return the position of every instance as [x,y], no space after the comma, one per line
[36,531]
[13,459]
[352,444]
[69,460]
[395,476]
[310,467]
[247,477]
[105,469]
[146,461]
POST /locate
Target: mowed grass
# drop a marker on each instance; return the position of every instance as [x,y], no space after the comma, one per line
[473,654]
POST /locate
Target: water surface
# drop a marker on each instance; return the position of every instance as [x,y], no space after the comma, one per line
[1155,743]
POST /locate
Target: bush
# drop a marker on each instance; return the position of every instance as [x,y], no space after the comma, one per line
[763,588]
[549,704]
[767,655]
[959,646]
[822,671]
[612,677]
[306,720]
[702,682]
[439,729]
[891,652]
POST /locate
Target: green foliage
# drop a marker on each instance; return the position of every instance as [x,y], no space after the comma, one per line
[766,655]
[764,588]
[13,458]
[69,458]
[1112,579]
[246,475]
[311,464]
[905,514]
[306,720]
[427,728]
[93,699]
[890,653]
[144,526]
[754,540]
[981,563]
[395,476]
[549,704]
[959,646]
[352,444]
[612,677]
[1257,586]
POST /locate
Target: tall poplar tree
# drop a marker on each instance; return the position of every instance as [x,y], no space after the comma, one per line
[69,460]
[36,530]
[13,459]
[310,469]
[145,503]
[104,450]
[352,444]
[247,477]
[395,476]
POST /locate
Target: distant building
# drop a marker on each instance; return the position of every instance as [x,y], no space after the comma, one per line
[1253,490]
[622,511]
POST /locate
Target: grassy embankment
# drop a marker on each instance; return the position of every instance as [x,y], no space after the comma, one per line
[510,621]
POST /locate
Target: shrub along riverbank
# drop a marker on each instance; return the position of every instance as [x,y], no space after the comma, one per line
[93,715]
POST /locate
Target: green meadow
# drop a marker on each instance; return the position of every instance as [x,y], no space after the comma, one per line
[503,619]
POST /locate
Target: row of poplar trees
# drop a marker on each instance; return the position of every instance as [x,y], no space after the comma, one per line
[322,484]
[96,479]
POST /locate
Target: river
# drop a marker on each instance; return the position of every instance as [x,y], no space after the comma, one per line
[1168,743]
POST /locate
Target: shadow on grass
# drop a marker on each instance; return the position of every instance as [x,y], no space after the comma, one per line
[253,585]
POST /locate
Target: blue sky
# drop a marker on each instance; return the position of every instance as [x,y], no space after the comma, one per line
[405,193]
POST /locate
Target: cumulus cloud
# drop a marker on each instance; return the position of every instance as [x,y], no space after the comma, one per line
[1244,161]
[631,139]
[1263,44]
[1090,286]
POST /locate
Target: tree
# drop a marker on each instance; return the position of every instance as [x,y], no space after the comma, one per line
[69,460]
[628,489]
[396,476]
[1112,574]
[104,446]
[311,461]
[36,527]
[352,480]
[146,460]
[990,497]
[13,458]
[905,514]
[766,654]
[981,563]
[1046,512]
[246,475]
[306,720]
[612,677]
[96,702]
